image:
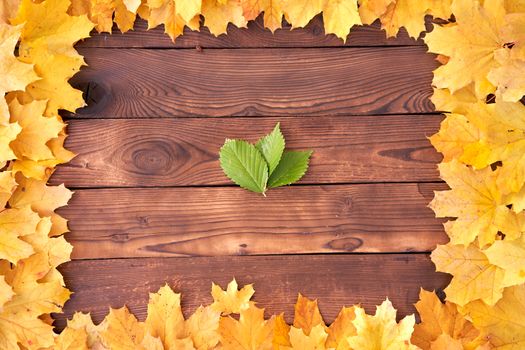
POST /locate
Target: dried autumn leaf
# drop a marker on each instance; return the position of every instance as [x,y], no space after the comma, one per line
[101,12]
[217,14]
[51,51]
[395,14]
[299,13]
[438,320]
[231,300]
[273,12]
[476,201]
[502,126]
[314,341]
[8,9]
[339,16]
[7,186]
[474,276]
[123,331]
[203,328]
[84,322]
[472,55]
[509,255]
[6,292]
[8,134]
[37,130]
[381,331]
[16,74]
[281,332]
[166,12]
[307,314]
[341,329]
[250,332]
[71,339]
[43,199]
[14,224]
[502,324]
[165,320]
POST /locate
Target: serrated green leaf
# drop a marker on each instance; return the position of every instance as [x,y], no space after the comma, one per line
[271,147]
[291,168]
[244,165]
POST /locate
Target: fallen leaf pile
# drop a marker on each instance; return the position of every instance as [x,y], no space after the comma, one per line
[480,86]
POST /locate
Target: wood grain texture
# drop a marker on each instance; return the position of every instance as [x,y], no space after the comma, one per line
[135,83]
[200,221]
[336,280]
[255,35]
[184,152]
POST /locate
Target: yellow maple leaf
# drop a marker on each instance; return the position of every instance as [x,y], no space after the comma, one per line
[122,330]
[101,12]
[395,14]
[457,102]
[151,343]
[57,249]
[8,9]
[502,324]
[341,329]
[474,276]
[502,128]
[8,134]
[218,14]
[203,328]
[381,331]
[307,314]
[299,12]
[472,55]
[165,320]
[33,334]
[442,324]
[273,12]
[231,300]
[7,186]
[83,321]
[71,339]
[6,292]
[166,12]
[43,199]
[281,330]
[510,256]
[314,341]
[250,332]
[14,224]
[47,41]
[508,76]
[17,75]
[37,130]
[339,16]
[455,133]
[476,201]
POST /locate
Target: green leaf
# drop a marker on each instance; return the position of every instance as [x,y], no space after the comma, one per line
[291,168]
[244,165]
[271,147]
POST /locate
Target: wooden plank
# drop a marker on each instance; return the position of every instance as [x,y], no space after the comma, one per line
[336,280]
[148,222]
[254,35]
[184,152]
[138,83]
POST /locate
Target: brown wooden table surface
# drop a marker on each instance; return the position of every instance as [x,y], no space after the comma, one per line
[151,204]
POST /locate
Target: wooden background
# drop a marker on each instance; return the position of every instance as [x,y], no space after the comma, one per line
[151,204]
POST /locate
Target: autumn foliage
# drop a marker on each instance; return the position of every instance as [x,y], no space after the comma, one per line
[482,138]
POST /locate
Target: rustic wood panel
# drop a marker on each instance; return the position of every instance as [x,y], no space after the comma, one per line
[336,280]
[136,83]
[255,35]
[184,152]
[110,223]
